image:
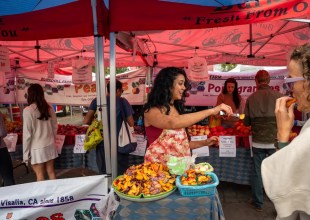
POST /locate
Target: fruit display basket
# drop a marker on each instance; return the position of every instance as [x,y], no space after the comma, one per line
[202,190]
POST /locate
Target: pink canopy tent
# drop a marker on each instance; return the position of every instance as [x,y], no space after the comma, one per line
[250,33]
[62,51]
[259,44]
[259,33]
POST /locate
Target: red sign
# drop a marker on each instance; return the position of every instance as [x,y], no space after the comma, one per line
[135,15]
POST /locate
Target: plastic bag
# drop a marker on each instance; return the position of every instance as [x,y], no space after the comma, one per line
[93,135]
[178,165]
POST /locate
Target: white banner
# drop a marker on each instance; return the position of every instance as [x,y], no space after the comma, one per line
[205,93]
[72,198]
[60,90]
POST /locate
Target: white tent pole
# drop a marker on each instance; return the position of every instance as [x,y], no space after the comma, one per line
[113,105]
[101,92]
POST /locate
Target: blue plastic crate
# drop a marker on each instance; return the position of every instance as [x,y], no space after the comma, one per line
[203,190]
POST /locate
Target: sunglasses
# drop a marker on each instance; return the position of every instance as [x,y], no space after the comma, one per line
[289,82]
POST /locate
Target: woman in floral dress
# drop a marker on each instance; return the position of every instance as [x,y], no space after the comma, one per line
[165,121]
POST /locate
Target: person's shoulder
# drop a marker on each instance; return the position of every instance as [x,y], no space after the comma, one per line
[221,95]
[30,107]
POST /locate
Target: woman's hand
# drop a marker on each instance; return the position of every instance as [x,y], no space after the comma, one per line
[222,107]
[214,140]
[285,118]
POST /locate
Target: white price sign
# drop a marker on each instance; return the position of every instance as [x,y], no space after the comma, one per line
[202,151]
[10,141]
[141,145]
[227,146]
[79,144]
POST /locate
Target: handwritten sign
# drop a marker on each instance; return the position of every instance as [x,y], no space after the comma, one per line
[59,142]
[50,70]
[4,59]
[10,141]
[202,151]
[81,72]
[227,146]
[79,144]
[141,145]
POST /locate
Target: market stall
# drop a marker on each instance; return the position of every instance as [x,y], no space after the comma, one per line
[172,207]
[180,190]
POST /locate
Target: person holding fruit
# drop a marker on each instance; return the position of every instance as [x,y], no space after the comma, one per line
[286,173]
[259,113]
[231,97]
[165,121]
[123,159]
[6,167]
[39,133]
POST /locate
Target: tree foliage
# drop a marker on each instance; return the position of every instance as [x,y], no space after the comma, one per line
[107,70]
[225,67]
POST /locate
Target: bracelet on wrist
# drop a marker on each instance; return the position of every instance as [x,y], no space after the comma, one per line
[279,144]
[282,144]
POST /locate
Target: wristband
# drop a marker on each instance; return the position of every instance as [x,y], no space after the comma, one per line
[282,144]
[295,122]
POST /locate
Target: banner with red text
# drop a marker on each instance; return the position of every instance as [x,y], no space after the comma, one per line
[205,93]
[142,15]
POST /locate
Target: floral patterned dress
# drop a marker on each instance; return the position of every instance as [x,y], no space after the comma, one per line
[169,142]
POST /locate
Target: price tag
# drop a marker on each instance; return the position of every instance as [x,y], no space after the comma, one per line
[202,151]
[141,145]
[59,142]
[10,141]
[79,144]
[227,146]
[50,70]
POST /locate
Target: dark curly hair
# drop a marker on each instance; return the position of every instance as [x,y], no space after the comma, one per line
[161,93]
[35,94]
[236,96]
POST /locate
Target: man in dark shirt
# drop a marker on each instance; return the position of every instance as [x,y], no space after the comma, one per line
[259,113]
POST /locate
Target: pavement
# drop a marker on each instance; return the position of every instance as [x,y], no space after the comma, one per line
[234,197]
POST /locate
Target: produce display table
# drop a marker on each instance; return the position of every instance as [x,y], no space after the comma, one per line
[67,159]
[18,153]
[174,206]
[231,169]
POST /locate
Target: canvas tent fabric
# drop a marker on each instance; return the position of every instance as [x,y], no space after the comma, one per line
[259,44]
[74,19]
[62,51]
[141,15]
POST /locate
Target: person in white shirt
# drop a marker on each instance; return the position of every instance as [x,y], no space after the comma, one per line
[39,133]
[285,174]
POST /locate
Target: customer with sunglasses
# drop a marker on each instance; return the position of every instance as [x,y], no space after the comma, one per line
[259,113]
[285,174]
